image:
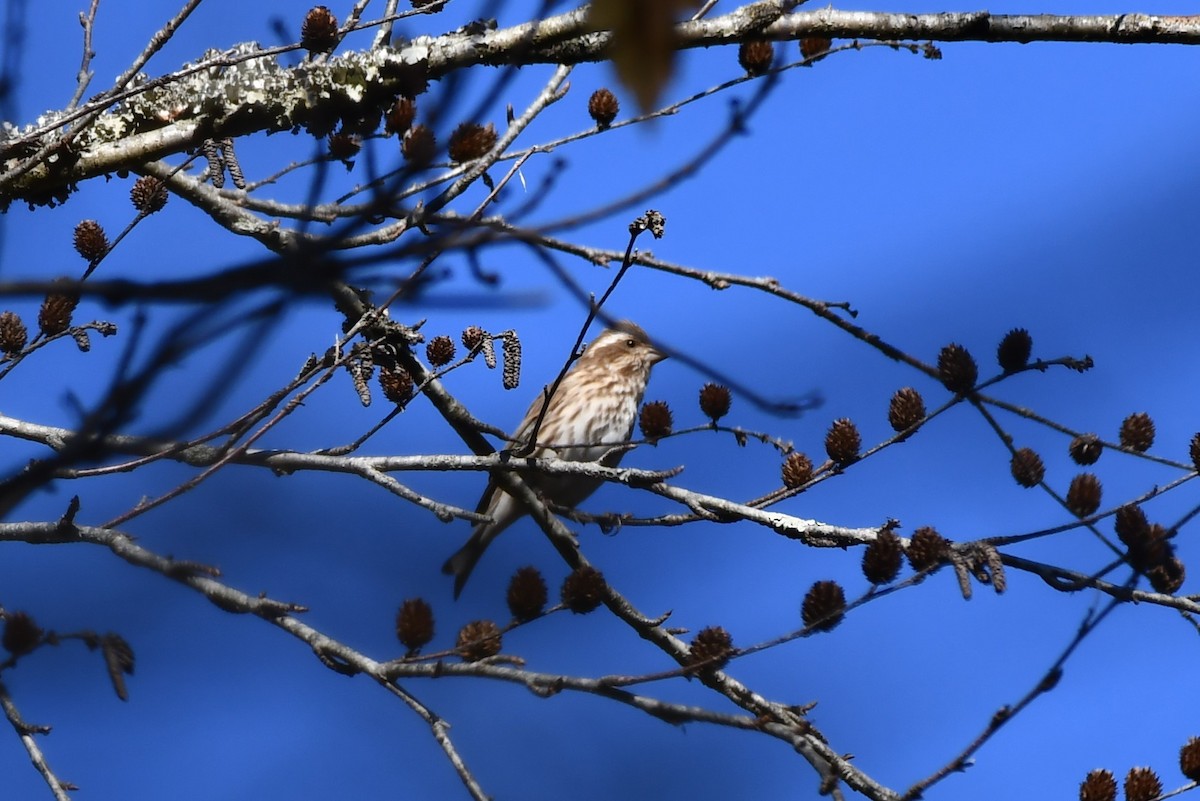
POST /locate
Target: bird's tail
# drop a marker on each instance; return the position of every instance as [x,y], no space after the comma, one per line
[465,558]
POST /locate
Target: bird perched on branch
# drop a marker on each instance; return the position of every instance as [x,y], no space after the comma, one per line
[592,411]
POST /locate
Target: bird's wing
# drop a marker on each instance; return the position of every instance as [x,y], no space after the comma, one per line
[522,431]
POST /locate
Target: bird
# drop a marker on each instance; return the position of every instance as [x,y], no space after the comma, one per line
[592,411]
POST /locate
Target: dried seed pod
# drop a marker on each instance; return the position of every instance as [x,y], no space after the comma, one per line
[842,442]
[148,194]
[927,548]
[13,334]
[526,594]
[1014,350]
[906,409]
[1131,525]
[478,640]
[603,107]
[824,606]
[414,624]
[655,420]
[511,377]
[440,351]
[797,470]
[319,32]
[1152,549]
[472,337]
[400,117]
[1027,468]
[583,590]
[55,315]
[756,56]
[1100,785]
[1085,449]
[397,384]
[82,341]
[1194,451]
[881,560]
[21,633]
[1083,496]
[1142,784]
[812,46]
[344,146]
[712,646]
[1137,432]
[957,369]
[1167,576]
[419,146]
[471,141]
[1189,759]
[714,401]
[90,240]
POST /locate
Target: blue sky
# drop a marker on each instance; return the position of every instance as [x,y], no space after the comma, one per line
[1045,186]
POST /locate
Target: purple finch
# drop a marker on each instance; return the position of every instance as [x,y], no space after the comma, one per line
[591,414]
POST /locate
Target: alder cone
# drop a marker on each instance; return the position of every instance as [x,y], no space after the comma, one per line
[148,194]
[957,369]
[842,442]
[1014,350]
[319,31]
[906,409]
[714,401]
[471,141]
[655,420]
[1131,524]
[811,46]
[21,634]
[1100,785]
[1167,576]
[397,385]
[90,240]
[927,548]
[414,623]
[603,107]
[1085,449]
[1083,496]
[440,351]
[527,594]
[824,606]
[1142,784]
[419,146]
[478,640]
[13,334]
[400,117]
[797,470]
[1189,759]
[583,590]
[713,643]
[881,560]
[1027,468]
[1137,432]
[756,56]
[472,337]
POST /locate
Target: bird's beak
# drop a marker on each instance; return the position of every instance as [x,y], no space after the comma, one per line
[656,355]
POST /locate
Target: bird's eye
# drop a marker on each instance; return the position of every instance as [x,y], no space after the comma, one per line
[631,342]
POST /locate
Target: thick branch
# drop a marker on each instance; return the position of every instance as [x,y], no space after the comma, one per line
[244,90]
